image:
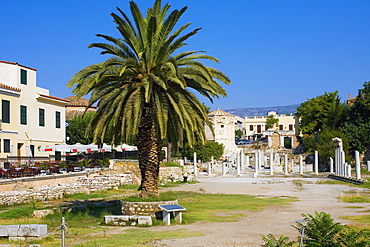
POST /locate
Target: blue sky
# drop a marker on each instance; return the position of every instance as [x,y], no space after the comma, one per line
[275,52]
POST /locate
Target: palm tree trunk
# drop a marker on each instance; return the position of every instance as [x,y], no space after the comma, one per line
[149,150]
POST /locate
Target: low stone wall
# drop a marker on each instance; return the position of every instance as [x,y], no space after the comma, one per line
[144,208]
[171,174]
[128,220]
[83,185]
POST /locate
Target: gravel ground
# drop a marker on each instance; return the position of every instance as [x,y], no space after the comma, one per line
[273,219]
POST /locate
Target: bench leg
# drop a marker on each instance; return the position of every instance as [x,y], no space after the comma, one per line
[166,217]
[178,216]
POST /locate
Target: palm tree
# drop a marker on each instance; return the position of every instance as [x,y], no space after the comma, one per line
[147,88]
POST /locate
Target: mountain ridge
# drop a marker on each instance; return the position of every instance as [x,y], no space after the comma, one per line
[262,111]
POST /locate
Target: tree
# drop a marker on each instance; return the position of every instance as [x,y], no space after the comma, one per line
[204,151]
[320,230]
[357,124]
[316,113]
[323,143]
[271,121]
[76,130]
[239,133]
[146,88]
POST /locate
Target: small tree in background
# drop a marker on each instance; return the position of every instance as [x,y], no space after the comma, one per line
[271,121]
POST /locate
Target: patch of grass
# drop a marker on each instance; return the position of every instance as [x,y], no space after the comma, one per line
[354,207]
[363,219]
[138,237]
[85,196]
[169,164]
[165,196]
[332,181]
[298,184]
[15,213]
[171,184]
[354,199]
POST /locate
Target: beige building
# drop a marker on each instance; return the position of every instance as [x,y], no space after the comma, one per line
[256,126]
[287,127]
[223,124]
[31,119]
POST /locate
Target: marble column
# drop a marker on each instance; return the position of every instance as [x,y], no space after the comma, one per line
[357,162]
[271,164]
[300,164]
[316,163]
[286,164]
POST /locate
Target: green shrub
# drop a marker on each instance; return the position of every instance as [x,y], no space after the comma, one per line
[21,212]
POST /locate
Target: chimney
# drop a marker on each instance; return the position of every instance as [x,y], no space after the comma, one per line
[349,96]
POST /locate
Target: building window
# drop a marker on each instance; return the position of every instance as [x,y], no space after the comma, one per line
[41,117]
[290,126]
[57,119]
[6,145]
[259,129]
[5,111]
[23,114]
[281,127]
[222,125]
[266,128]
[23,76]
[250,127]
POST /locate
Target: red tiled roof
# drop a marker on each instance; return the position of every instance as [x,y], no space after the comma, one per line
[9,87]
[17,64]
[53,97]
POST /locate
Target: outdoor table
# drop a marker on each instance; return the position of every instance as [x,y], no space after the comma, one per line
[175,209]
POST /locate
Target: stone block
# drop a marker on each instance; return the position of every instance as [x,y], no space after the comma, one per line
[31,230]
[144,220]
[115,219]
[42,213]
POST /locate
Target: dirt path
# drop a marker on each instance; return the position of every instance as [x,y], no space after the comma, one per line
[274,219]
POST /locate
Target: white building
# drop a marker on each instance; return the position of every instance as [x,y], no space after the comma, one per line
[31,119]
[256,126]
[223,124]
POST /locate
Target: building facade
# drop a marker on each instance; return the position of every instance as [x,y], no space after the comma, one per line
[223,124]
[257,127]
[31,119]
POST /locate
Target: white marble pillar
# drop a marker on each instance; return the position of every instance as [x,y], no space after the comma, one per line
[256,162]
[181,162]
[368,165]
[357,162]
[271,164]
[223,168]
[348,173]
[285,164]
[281,141]
[238,169]
[195,165]
[242,160]
[209,168]
[316,163]
[331,165]
[300,164]
[343,159]
[293,163]
[247,160]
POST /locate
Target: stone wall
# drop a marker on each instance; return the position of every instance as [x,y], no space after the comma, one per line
[83,185]
[144,208]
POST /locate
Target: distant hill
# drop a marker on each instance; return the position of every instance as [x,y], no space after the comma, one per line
[262,111]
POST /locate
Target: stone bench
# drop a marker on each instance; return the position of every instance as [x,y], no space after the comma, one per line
[23,231]
[131,220]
